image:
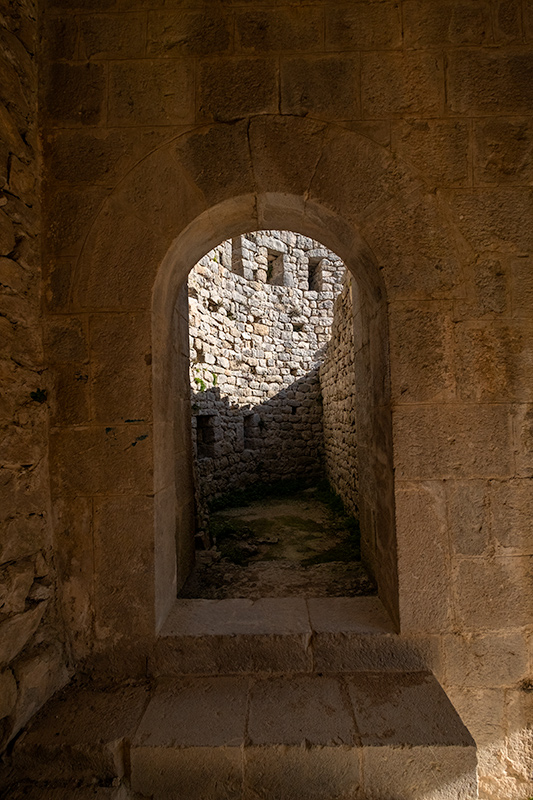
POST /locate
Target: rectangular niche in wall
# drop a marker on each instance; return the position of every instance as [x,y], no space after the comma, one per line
[250,432]
[205,435]
[276,268]
[315,274]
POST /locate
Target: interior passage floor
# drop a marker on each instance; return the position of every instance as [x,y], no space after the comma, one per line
[281,546]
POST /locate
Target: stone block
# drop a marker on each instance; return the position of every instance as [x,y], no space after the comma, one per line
[7,234]
[80,735]
[523,439]
[468,516]
[229,89]
[363,26]
[425,602]
[8,693]
[492,594]
[74,556]
[70,402]
[60,37]
[219,159]
[438,150]
[75,93]
[112,36]
[491,219]
[96,156]
[379,175]
[57,283]
[491,279]
[121,369]
[512,515]
[279,29]
[401,83]
[38,676]
[99,460]
[150,92]
[15,583]
[482,711]
[189,32]
[234,636]
[66,339]
[490,660]
[453,22]
[453,441]
[481,82]
[508,21]
[315,712]
[405,710]
[495,361]
[292,772]
[114,266]
[418,251]
[324,88]
[420,772]
[16,631]
[522,287]
[69,214]
[190,739]
[503,151]
[421,352]
[199,773]
[123,535]
[276,165]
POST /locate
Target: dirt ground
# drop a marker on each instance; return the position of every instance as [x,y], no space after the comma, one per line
[280,546]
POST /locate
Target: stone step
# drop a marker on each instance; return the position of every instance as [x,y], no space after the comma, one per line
[356,736]
[280,635]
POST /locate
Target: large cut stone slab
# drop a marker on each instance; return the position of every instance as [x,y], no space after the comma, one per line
[233,636]
[189,743]
[80,735]
[414,744]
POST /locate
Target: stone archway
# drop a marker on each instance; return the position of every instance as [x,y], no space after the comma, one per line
[206,185]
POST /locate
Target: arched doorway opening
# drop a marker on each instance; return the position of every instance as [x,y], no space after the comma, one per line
[174,501]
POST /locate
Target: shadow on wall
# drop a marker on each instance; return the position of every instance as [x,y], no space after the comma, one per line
[238,445]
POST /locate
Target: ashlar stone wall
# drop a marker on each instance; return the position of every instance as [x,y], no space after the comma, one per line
[258,334]
[337,383]
[32,660]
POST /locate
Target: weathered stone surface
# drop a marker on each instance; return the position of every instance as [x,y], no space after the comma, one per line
[401,83]
[468,514]
[112,36]
[478,441]
[270,30]
[230,89]
[7,234]
[97,459]
[485,660]
[196,32]
[363,25]
[511,506]
[479,606]
[38,675]
[504,151]
[75,93]
[150,92]
[489,81]
[16,631]
[8,693]
[438,150]
[452,21]
[323,88]
[490,219]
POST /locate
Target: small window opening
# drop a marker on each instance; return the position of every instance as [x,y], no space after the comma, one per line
[205,435]
[276,268]
[315,275]
[249,432]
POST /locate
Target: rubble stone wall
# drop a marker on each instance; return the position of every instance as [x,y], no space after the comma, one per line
[258,334]
[31,654]
[337,382]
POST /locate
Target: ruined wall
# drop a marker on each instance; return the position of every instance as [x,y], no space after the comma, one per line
[258,334]
[337,382]
[31,654]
